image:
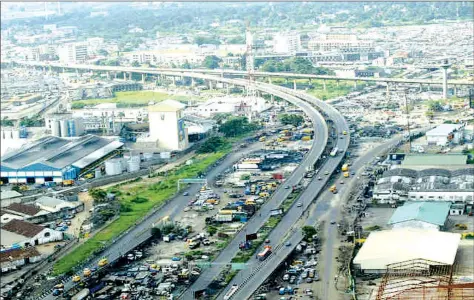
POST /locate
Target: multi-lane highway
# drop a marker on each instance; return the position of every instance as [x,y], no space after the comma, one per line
[226,255]
[288,230]
[222,73]
[141,232]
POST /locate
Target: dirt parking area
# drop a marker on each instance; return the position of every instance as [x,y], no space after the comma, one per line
[377,216]
[76,223]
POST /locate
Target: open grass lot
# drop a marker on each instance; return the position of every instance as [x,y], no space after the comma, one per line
[156,194]
[131,99]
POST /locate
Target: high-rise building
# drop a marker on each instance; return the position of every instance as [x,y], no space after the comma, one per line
[287,43]
[73,52]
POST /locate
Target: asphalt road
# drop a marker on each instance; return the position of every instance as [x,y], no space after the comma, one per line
[257,221]
[142,232]
[287,229]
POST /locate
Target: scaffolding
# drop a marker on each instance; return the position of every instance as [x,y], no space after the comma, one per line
[422,279]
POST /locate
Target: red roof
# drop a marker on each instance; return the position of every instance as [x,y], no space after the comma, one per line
[23,228]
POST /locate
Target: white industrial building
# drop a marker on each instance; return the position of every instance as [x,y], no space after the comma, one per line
[72,52]
[167,127]
[230,104]
[17,233]
[402,184]
[286,43]
[386,247]
[445,134]
[424,215]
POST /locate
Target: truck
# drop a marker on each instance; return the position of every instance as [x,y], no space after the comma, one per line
[223,218]
[267,250]
[334,152]
[345,168]
[68,182]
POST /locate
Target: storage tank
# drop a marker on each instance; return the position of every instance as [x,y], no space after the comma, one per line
[98,173]
[113,167]
[55,130]
[63,128]
[124,163]
[134,164]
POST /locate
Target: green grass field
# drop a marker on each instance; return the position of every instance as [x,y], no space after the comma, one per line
[134,98]
[156,193]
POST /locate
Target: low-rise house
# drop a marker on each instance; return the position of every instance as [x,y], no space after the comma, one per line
[14,258]
[18,233]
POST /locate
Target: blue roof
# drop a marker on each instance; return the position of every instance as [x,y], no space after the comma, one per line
[429,212]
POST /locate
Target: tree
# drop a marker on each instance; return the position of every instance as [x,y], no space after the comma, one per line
[6,122]
[269,66]
[308,232]
[434,106]
[211,230]
[236,126]
[212,144]
[98,195]
[186,65]
[211,62]
[135,64]
[220,117]
[295,120]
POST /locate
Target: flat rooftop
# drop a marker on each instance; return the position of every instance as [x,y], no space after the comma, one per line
[435,160]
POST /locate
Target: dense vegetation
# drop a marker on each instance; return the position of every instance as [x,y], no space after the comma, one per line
[236,126]
[194,18]
[295,120]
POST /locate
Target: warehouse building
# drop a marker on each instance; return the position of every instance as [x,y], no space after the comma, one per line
[445,134]
[433,184]
[14,258]
[17,233]
[424,215]
[53,159]
[388,247]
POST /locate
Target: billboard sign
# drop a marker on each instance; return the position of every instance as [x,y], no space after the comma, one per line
[251,237]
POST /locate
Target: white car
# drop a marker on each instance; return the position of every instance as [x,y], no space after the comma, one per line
[286,277]
[299,204]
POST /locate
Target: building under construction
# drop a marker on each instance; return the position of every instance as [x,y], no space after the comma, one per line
[428,280]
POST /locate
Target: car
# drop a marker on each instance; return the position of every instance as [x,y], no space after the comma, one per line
[304,275]
[292,279]
[286,277]
[186,194]
[333,222]
[84,190]
[309,280]
[341,137]
[326,173]
[267,241]
[352,173]
[320,178]
[288,244]
[342,182]
[299,204]
[287,187]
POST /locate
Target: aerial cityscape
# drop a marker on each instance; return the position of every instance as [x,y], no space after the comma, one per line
[237,150]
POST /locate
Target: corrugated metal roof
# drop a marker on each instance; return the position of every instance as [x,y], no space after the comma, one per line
[398,245]
[429,212]
[435,160]
[85,161]
[444,129]
[57,153]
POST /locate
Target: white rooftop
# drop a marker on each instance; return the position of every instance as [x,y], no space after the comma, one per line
[444,129]
[398,245]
